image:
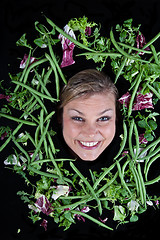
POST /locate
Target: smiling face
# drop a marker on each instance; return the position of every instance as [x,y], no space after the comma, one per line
[89,124]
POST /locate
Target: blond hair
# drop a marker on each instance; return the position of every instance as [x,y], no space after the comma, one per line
[86,83]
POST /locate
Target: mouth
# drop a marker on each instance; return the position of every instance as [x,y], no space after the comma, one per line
[89,145]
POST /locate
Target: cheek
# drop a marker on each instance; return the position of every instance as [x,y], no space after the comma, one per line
[109,132]
[69,130]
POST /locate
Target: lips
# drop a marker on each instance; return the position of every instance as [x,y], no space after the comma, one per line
[89,145]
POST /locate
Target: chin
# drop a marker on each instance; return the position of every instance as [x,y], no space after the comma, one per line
[88,158]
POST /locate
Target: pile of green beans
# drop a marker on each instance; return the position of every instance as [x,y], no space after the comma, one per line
[42,140]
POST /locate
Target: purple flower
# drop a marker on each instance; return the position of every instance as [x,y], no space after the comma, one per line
[67,47]
[141,42]
[44,224]
[4,135]
[88,31]
[124,153]
[84,210]
[44,205]
[2,96]
[142,139]
[24,61]
[157,202]
[103,220]
[141,101]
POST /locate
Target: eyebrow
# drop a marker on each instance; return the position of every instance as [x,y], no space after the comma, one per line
[101,113]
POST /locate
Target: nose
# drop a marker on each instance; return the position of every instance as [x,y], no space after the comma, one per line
[90,130]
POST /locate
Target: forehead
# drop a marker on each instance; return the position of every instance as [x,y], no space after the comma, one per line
[95,102]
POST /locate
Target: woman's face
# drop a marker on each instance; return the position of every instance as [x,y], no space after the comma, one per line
[89,124]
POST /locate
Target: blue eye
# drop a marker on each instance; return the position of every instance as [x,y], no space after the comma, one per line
[103,119]
[78,119]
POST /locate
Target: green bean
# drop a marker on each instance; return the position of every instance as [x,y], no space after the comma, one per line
[125,165]
[74,205]
[49,116]
[47,174]
[149,164]
[89,186]
[47,75]
[153,90]
[72,197]
[142,186]
[41,127]
[36,135]
[123,141]
[137,141]
[122,178]
[10,137]
[68,36]
[18,120]
[151,154]
[40,141]
[92,219]
[42,85]
[134,48]
[154,54]
[24,71]
[103,54]
[29,114]
[27,102]
[55,61]
[35,92]
[120,69]
[51,143]
[40,102]
[148,158]
[30,138]
[55,164]
[122,51]
[138,80]
[105,186]
[151,41]
[130,139]
[55,72]
[148,147]
[139,182]
[33,65]
[21,149]
[102,176]
[49,160]
[157,179]
[135,175]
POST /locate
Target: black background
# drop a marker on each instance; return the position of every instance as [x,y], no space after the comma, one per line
[18,17]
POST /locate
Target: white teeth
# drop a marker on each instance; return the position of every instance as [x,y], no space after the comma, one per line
[89,144]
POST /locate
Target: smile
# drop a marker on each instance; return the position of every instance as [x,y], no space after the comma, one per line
[89,145]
